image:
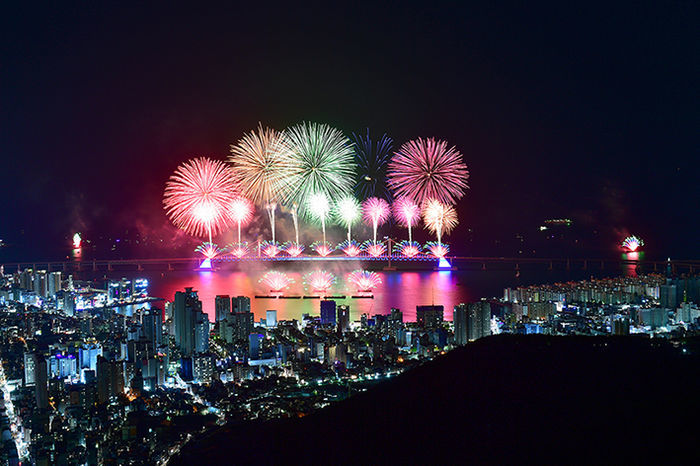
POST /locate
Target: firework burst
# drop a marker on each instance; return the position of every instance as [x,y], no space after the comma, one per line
[209,250]
[437,249]
[427,169]
[407,213]
[270,249]
[372,158]
[276,281]
[293,249]
[319,280]
[632,243]
[439,218]
[375,212]
[241,211]
[323,248]
[198,195]
[374,249]
[350,248]
[319,208]
[319,161]
[408,248]
[238,250]
[347,211]
[364,280]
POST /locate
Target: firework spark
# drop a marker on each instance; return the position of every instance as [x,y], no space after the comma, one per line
[241,211]
[427,169]
[438,249]
[238,249]
[632,243]
[319,208]
[293,249]
[374,249]
[323,248]
[320,162]
[364,280]
[276,281]
[407,213]
[77,240]
[408,248]
[439,218]
[375,212]
[270,249]
[348,211]
[372,158]
[350,248]
[319,280]
[198,195]
[209,250]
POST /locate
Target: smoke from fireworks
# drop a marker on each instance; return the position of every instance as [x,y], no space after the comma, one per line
[426,169]
[348,211]
[372,159]
[319,280]
[276,281]
[364,280]
[407,213]
[376,212]
[439,218]
[632,243]
[198,195]
[319,162]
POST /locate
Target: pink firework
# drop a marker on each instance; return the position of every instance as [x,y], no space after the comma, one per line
[375,249]
[427,169]
[238,249]
[241,212]
[270,249]
[407,213]
[319,280]
[293,249]
[322,248]
[209,250]
[276,281]
[198,195]
[364,280]
[375,212]
[438,250]
[408,248]
[350,248]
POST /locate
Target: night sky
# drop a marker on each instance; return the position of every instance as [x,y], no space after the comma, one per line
[581,111]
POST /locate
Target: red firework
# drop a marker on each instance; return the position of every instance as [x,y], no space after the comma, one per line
[276,280]
[322,248]
[293,249]
[198,195]
[239,249]
[408,248]
[350,248]
[438,250]
[425,168]
[375,249]
[270,249]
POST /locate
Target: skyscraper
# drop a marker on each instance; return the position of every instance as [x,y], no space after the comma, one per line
[29,369]
[343,318]
[271,318]
[478,320]
[240,304]
[152,325]
[459,318]
[41,379]
[187,307]
[222,305]
[328,312]
[201,333]
[54,283]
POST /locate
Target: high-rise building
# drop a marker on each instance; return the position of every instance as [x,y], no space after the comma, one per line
[271,318]
[429,317]
[222,305]
[459,319]
[621,326]
[87,359]
[667,296]
[394,323]
[152,326]
[328,312]
[187,307]
[40,285]
[29,369]
[240,304]
[478,320]
[110,379]
[41,382]
[255,345]
[201,333]
[26,279]
[54,283]
[343,318]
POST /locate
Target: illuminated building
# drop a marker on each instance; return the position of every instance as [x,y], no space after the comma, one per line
[54,283]
[188,309]
[110,379]
[459,319]
[40,286]
[203,368]
[29,369]
[222,306]
[328,316]
[152,326]
[343,318]
[41,382]
[271,318]
[478,320]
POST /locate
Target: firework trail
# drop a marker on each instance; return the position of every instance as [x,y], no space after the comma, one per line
[408,248]
[376,212]
[319,280]
[364,280]
[320,162]
[241,211]
[372,158]
[348,211]
[276,281]
[198,195]
[632,243]
[407,213]
[319,208]
[427,169]
[295,219]
[350,248]
[439,218]
[259,164]
[209,250]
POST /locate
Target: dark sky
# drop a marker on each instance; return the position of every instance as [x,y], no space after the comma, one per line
[583,111]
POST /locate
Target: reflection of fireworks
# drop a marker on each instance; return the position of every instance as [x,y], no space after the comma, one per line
[408,248]
[293,249]
[632,243]
[319,280]
[374,249]
[438,250]
[270,249]
[320,161]
[439,218]
[364,280]
[350,248]
[241,211]
[276,281]
[238,249]
[209,250]
[372,159]
[407,213]
[347,211]
[322,248]
[376,212]
[198,195]
[427,169]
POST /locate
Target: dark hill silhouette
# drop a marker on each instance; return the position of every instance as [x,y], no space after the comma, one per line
[503,399]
